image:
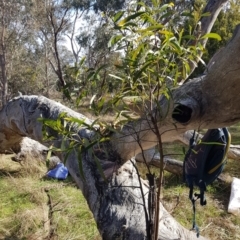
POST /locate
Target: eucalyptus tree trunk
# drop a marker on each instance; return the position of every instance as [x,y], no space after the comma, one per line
[209,101]
[3,82]
[119,203]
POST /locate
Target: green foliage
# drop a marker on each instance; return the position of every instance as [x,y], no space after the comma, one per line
[98,5]
[25,195]
[156,54]
[224,26]
[147,44]
[76,79]
[72,141]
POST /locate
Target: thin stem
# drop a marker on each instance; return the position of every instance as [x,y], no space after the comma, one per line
[144,204]
[160,146]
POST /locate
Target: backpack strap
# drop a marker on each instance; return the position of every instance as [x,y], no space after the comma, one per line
[193,200]
[215,135]
[191,146]
[191,183]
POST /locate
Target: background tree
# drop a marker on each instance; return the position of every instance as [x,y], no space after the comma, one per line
[224,26]
[23,25]
[15,33]
[58,20]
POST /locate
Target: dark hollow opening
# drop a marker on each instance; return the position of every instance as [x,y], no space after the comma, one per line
[182,113]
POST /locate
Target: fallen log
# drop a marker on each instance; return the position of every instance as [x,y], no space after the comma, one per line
[119,204]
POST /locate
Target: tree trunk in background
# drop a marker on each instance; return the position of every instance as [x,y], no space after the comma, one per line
[4,82]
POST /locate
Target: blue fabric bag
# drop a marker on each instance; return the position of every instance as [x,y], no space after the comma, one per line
[59,172]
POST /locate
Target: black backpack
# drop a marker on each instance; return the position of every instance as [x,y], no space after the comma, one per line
[204,162]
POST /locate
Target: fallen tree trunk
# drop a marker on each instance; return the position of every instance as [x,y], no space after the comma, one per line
[119,204]
[171,165]
[151,157]
[207,102]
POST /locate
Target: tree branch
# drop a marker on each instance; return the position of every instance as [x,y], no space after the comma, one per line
[116,204]
[205,26]
[206,102]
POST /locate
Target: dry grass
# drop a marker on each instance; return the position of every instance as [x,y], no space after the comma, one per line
[213,219]
[34,208]
[24,205]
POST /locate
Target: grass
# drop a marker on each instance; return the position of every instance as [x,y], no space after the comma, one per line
[213,219]
[35,208]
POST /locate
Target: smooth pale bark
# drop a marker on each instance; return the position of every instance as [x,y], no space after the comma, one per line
[209,101]
[205,25]
[117,205]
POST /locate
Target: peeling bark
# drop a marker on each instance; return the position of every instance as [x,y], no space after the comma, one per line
[210,101]
[118,205]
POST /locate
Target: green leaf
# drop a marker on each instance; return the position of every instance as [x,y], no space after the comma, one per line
[118,16]
[99,167]
[90,145]
[166,6]
[187,14]
[207,14]
[166,33]
[80,163]
[176,46]
[190,37]
[137,52]
[131,17]
[151,28]
[82,61]
[212,35]
[131,24]
[114,40]
[90,75]
[138,73]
